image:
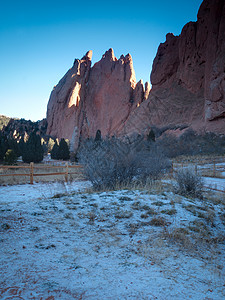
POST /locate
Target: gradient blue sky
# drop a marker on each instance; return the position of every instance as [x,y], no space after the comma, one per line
[39,41]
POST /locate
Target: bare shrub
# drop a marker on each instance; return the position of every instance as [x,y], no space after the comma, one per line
[112,163]
[188,183]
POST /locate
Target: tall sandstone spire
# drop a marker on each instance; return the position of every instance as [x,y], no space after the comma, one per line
[90,98]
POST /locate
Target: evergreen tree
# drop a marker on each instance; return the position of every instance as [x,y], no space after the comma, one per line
[151,136]
[3,145]
[44,146]
[55,151]
[10,157]
[63,151]
[98,136]
[21,146]
[33,151]
[12,144]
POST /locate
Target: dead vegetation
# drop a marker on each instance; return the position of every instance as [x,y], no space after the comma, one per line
[188,183]
[115,164]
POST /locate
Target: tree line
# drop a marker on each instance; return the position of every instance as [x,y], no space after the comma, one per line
[31,149]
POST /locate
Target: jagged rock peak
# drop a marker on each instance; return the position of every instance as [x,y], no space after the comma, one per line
[88,55]
[109,55]
[169,36]
[94,98]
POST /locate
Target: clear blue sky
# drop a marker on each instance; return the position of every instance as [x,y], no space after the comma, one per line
[39,41]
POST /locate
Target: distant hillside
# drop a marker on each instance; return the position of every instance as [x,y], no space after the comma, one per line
[19,127]
[4,121]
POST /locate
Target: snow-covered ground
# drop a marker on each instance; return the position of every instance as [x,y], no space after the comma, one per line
[215,183]
[58,241]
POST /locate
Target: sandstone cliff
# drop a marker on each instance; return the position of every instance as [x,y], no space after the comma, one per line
[188,86]
[90,98]
[188,77]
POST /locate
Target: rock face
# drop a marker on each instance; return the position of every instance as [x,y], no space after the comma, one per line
[188,86]
[65,106]
[87,99]
[188,73]
[188,77]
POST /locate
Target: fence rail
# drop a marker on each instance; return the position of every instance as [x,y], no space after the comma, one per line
[211,169]
[32,167]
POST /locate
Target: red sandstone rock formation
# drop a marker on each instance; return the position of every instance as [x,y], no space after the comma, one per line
[65,106]
[188,73]
[188,86]
[188,77]
[87,99]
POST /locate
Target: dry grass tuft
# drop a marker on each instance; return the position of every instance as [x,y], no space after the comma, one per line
[179,235]
[157,221]
[169,212]
[123,214]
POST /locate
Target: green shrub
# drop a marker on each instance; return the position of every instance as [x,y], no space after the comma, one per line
[3,145]
[55,149]
[21,146]
[63,151]
[191,143]
[151,136]
[60,151]
[33,151]
[10,157]
[98,135]
[12,144]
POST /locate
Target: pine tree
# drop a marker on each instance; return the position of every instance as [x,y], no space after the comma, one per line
[44,146]
[151,136]
[21,146]
[3,145]
[63,152]
[12,144]
[10,157]
[33,151]
[55,150]
[98,136]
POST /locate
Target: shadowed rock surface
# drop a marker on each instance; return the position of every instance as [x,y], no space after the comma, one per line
[188,77]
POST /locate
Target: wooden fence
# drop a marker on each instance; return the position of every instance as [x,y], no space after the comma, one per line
[213,169]
[31,168]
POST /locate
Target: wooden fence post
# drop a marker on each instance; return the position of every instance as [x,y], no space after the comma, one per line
[214,169]
[31,173]
[196,169]
[172,169]
[67,172]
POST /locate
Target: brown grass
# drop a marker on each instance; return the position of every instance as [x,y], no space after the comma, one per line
[157,221]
